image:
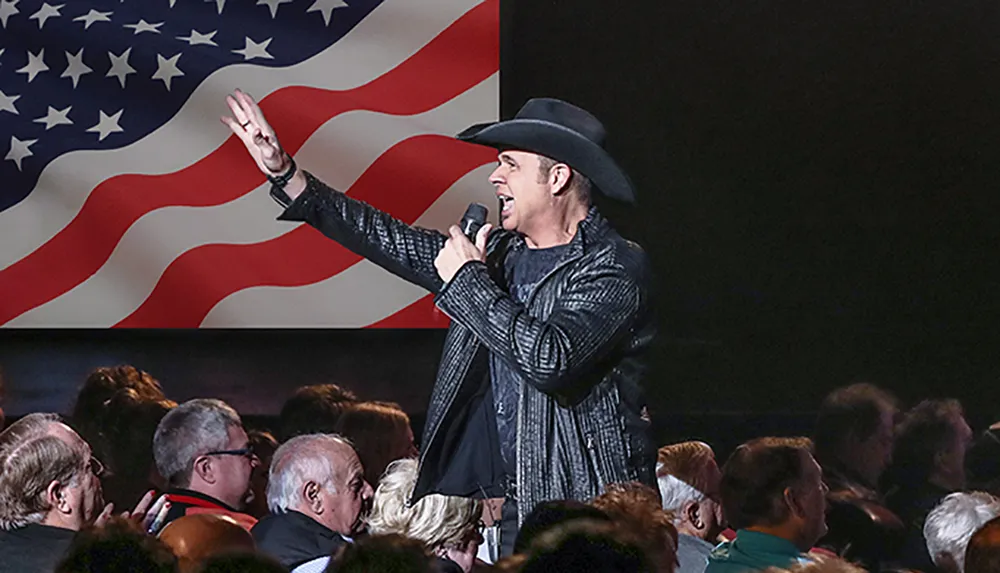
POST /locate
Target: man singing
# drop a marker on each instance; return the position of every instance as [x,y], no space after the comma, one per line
[538,393]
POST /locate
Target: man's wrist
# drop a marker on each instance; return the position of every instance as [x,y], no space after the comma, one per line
[282,179]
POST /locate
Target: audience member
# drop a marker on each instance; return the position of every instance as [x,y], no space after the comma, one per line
[130,424]
[636,506]
[313,410]
[982,461]
[204,454]
[928,463]
[854,439]
[585,545]
[197,537]
[819,564]
[773,492]
[264,446]
[689,477]
[983,552]
[316,492]
[952,522]
[382,553]
[49,490]
[119,546]
[447,525]
[380,433]
[241,563]
[550,514]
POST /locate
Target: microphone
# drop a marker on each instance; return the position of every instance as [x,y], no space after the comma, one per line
[473,220]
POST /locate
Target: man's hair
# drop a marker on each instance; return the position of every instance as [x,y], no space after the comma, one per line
[952,522]
[927,429]
[548,514]
[313,409]
[578,182]
[637,506]
[376,429]
[755,477]
[586,545]
[117,547]
[392,552]
[241,563]
[300,460]
[188,431]
[436,520]
[983,553]
[853,409]
[681,471]
[30,460]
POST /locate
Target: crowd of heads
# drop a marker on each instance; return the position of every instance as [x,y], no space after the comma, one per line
[854,496]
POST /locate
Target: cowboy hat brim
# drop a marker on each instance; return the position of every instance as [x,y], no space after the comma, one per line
[559,143]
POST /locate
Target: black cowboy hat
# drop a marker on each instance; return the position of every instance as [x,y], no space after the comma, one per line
[563,132]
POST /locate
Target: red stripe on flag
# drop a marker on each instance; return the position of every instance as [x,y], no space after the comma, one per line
[424,81]
[421,314]
[197,280]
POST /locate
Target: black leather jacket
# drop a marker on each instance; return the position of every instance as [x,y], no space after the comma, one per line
[578,344]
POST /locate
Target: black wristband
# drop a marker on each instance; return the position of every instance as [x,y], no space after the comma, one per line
[282,180]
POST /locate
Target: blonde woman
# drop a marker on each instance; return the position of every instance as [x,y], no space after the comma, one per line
[448,526]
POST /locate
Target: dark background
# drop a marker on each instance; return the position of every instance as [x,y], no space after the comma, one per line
[817,189]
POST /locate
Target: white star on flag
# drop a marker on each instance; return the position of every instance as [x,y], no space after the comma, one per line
[144,26]
[273,5]
[166,69]
[7,9]
[19,150]
[326,7]
[45,12]
[55,117]
[107,125]
[75,67]
[7,102]
[36,65]
[93,16]
[254,50]
[119,66]
[196,38]
[220,4]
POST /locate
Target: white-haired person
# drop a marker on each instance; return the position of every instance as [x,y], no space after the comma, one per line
[316,490]
[688,477]
[951,523]
[449,526]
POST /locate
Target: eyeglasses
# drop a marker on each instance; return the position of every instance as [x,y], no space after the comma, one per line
[95,466]
[246,452]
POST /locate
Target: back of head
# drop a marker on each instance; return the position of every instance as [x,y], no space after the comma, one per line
[755,476]
[117,547]
[189,430]
[983,552]
[31,458]
[300,460]
[382,554]
[241,563]
[637,506]
[952,522]
[854,410]
[436,520]
[926,430]
[585,545]
[684,473]
[550,514]
[90,411]
[380,432]
[313,410]
[194,538]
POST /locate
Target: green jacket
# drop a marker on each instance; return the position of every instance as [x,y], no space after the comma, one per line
[753,551]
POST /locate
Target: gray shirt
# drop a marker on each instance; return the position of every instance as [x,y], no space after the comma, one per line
[692,554]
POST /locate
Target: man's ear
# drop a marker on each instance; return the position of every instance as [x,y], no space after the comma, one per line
[55,494]
[312,497]
[559,178]
[204,469]
[791,500]
[692,514]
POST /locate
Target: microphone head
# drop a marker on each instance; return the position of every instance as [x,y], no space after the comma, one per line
[474,218]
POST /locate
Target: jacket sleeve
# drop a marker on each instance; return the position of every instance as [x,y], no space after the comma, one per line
[408,252]
[600,306]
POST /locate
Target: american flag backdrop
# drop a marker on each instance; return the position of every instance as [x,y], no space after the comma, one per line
[125,202]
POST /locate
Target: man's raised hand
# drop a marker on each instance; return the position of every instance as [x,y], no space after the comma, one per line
[248,123]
